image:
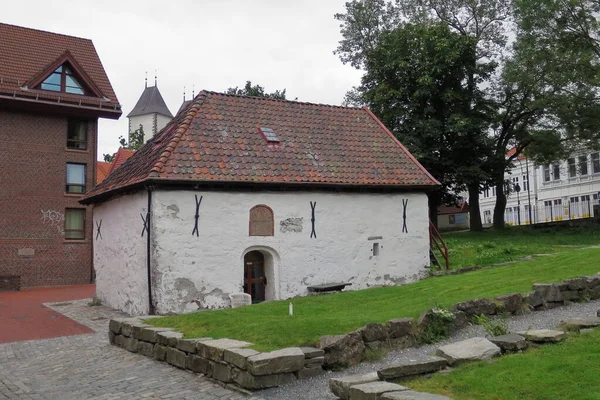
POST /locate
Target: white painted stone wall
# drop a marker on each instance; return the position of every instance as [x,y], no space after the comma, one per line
[120,255]
[200,272]
[148,121]
[161,122]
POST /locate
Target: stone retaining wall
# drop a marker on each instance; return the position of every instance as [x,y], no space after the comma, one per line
[233,362]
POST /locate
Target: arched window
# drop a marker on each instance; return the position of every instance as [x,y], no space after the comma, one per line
[261,221]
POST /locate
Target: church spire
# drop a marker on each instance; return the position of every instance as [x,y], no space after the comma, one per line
[155,79]
[146,80]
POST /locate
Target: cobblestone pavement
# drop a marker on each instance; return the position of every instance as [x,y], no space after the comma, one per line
[88,367]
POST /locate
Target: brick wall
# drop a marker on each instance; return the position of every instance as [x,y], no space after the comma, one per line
[33,158]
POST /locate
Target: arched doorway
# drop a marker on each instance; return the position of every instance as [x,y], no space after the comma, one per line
[254,276]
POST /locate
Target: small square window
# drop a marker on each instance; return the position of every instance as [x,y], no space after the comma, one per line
[77,135]
[75,223]
[75,178]
[270,135]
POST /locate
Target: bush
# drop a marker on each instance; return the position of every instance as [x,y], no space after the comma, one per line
[438,325]
[493,326]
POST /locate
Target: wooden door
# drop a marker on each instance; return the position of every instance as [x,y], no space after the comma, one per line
[254,276]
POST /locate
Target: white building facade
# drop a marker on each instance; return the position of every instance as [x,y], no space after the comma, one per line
[150,112]
[553,192]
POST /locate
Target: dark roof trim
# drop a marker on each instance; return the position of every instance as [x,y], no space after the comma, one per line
[252,186]
[104,110]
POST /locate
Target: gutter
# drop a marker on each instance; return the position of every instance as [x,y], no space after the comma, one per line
[151,310]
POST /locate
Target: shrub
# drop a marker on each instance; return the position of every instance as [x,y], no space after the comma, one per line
[437,327]
[493,326]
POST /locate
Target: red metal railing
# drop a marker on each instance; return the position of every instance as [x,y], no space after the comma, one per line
[436,240]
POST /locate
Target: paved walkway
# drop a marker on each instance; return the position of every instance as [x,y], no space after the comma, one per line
[86,366]
[24,317]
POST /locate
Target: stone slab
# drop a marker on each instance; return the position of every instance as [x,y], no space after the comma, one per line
[187,345]
[581,323]
[373,390]
[222,372]
[175,357]
[145,349]
[341,386]
[238,357]
[412,395]
[249,381]
[307,373]
[213,349]
[312,352]
[543,335]
[474,349]
[200,365]
[150,334]
[510,343]
[276,362]
[316,362]
[412,367]
[168,338]
[130,344]
[160,352]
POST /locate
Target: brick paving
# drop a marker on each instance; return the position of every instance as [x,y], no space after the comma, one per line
[87,367]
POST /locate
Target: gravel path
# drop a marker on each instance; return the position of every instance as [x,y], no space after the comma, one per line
[317,388]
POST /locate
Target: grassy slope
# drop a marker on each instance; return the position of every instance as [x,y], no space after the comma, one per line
[553,372]
[490,247]
[268,326]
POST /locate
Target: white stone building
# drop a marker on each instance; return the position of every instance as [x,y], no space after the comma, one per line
[554,192]
[150,111]
[242,194]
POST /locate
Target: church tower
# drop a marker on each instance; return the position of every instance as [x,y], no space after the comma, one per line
[151,112]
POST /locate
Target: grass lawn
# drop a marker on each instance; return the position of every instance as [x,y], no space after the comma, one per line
[268,325]
[568,370]
[468,249]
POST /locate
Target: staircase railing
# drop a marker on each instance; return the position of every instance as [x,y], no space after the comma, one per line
[436,242]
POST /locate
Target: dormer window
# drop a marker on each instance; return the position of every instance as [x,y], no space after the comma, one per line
[63,79]
[270,135]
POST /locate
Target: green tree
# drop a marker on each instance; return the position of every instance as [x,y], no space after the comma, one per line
[136,140]
[256,91]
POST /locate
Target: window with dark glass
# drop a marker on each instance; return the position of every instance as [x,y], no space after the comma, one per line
[75,178]
[596,163]
[583,165]
[63,79]
[556,172]
[75,223]
[572,168]
[547,173]
[77,135]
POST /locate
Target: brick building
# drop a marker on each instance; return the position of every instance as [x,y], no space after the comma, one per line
[53,89]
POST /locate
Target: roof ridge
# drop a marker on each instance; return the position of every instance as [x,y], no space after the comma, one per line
[181,130]
[44,31]
[404,149]
[278,100]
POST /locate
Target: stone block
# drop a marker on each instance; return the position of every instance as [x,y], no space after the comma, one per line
[580,323]
[115,326]
[373,390]
[477,307]
[377,345]
[127,325]
[176,357]
[550,292]
[373,333]
[412,367]
[312,352]
[341,386]
[213,349]
[160,352]
[571,295]
[145,349]
[543,335]
[249,381]
[576,283]
[534,299]
[342,350]
[595,293]
[130,344]
[222,372]
[111,337]
[200,365]
[402,342]
[120,340]
[150,334]
[510,343]
[474,349]
[461,320]
[187,345]
[137,330]
[240,300]
[412,395]
[316,362]
[592,281]
[400,327]
[238,357]
[276,362]
[511,303]
[307,373]
[168,338]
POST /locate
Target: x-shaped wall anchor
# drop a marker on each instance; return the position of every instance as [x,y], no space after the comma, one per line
[404,204]
[198,201]
[312,219]
[98,227]
[146,228]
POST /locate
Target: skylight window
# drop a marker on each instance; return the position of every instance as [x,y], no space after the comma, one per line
[63,79]
[270,135]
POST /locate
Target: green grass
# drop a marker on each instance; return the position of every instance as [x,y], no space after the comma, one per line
[489,247]
[268,325]
[568,370]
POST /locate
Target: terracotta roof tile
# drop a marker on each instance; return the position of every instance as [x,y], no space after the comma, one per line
[27,55]
[102,170]
[459,208]
[121,156]
[216,139]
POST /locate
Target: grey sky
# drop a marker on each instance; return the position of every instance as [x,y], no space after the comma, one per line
[212,44]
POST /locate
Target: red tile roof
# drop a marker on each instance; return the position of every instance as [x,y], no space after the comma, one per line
[27,56]
[102,170]
[460,208]
[216,139]
[512,152]
[121,156]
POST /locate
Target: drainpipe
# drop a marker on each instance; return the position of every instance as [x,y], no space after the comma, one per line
[151,310]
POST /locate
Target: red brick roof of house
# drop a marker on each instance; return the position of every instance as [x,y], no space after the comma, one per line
[121,156]
[28,56]
[102,170]
[460,208]
[217,139]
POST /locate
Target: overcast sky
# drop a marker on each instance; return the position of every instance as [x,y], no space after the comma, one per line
[211,44]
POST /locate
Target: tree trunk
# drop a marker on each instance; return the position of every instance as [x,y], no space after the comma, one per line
[500,206]
[474,213]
